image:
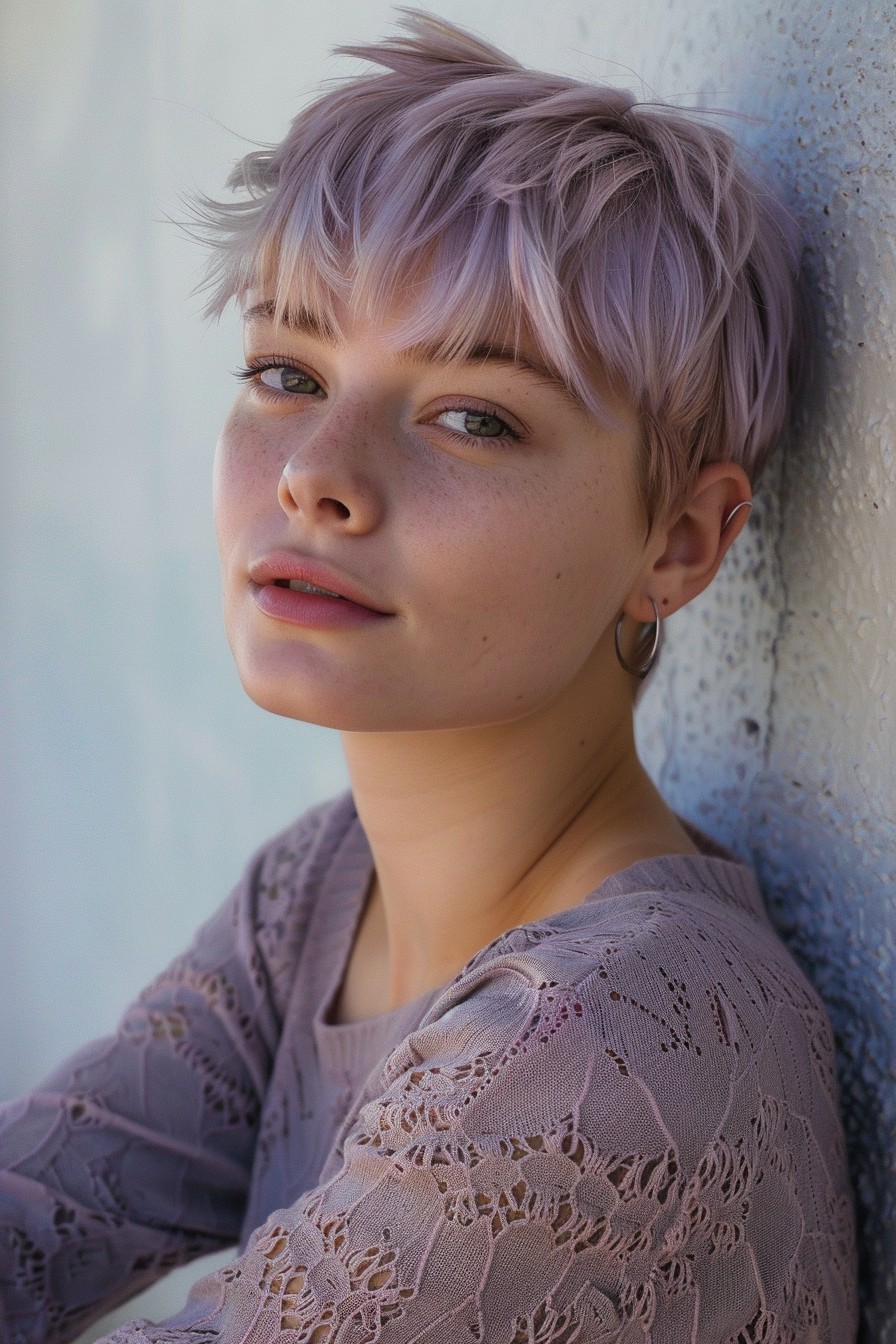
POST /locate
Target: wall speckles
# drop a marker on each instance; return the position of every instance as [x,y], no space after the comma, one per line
[810,794]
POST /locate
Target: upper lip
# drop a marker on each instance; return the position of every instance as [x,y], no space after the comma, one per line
[289,565]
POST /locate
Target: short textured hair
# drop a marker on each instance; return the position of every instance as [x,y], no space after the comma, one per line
[623,239]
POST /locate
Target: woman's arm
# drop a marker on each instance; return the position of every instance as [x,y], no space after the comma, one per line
[135,1155]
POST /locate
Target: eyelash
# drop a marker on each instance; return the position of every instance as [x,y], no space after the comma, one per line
[250,372]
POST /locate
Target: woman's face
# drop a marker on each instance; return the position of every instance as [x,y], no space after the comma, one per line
[493,523]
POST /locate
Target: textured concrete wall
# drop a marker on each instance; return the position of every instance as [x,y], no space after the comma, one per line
[782,679]
[139,776]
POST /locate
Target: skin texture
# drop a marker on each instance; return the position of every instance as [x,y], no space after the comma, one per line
[487,724]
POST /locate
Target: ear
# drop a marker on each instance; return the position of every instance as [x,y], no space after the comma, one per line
[687,547]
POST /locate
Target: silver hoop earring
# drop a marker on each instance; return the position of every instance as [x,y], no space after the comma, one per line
[744,504]
[641,669]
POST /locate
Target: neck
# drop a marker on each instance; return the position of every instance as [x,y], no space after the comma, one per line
[476,830]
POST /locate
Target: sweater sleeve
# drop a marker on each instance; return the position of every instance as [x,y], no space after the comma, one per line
[522,1173]
[134,1156]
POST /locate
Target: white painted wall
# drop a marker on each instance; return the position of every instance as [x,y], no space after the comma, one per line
[138,777]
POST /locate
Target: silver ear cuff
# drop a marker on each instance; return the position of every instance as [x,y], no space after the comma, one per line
[641,669]
[744,504]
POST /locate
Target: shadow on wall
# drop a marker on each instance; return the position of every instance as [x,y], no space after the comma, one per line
[828,879]
[770,721]
[823,836]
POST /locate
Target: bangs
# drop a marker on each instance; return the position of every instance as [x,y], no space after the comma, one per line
[419,232]
[450,301]
[469,202]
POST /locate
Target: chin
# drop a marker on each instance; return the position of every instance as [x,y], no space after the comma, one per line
[326,710]
[372,710]
[302,703]
[328,706]
[309,685]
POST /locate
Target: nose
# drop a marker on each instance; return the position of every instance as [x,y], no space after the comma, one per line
[322,486]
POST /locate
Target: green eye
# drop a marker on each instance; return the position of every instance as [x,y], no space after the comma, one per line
[285,379]
[476,424]
[489,426]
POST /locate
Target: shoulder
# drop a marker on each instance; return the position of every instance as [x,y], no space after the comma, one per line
[659,1057]
[276,895]
[303,848]
[247,950]
[302,853]
[675,1013]
[663,928]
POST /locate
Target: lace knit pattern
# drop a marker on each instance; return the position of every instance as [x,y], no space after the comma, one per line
[619,1124]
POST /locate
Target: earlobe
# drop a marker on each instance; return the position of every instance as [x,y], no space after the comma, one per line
[690,545]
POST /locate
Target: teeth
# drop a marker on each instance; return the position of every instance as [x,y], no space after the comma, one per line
[300,586]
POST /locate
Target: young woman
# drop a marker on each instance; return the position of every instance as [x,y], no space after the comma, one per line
[494,1047]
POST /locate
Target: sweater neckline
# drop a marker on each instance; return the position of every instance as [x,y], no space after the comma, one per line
[714,870]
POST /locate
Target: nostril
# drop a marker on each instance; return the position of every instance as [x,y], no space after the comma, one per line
[342,509]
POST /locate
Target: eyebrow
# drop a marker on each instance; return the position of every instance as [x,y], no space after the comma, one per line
[302,320]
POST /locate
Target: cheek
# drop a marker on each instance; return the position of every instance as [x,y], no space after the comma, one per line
[547,559]
[598,532]
[242,475]
[526,578]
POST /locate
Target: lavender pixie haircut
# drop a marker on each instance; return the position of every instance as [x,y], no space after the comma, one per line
[482,200]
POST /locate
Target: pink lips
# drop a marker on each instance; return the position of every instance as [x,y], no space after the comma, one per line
[270,575]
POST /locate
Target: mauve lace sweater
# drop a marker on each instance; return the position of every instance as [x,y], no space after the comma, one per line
[616,1124]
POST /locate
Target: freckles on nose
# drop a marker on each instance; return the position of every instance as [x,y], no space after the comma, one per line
[322,487]
[300,492]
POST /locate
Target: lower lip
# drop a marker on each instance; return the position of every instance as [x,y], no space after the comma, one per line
[313,610]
